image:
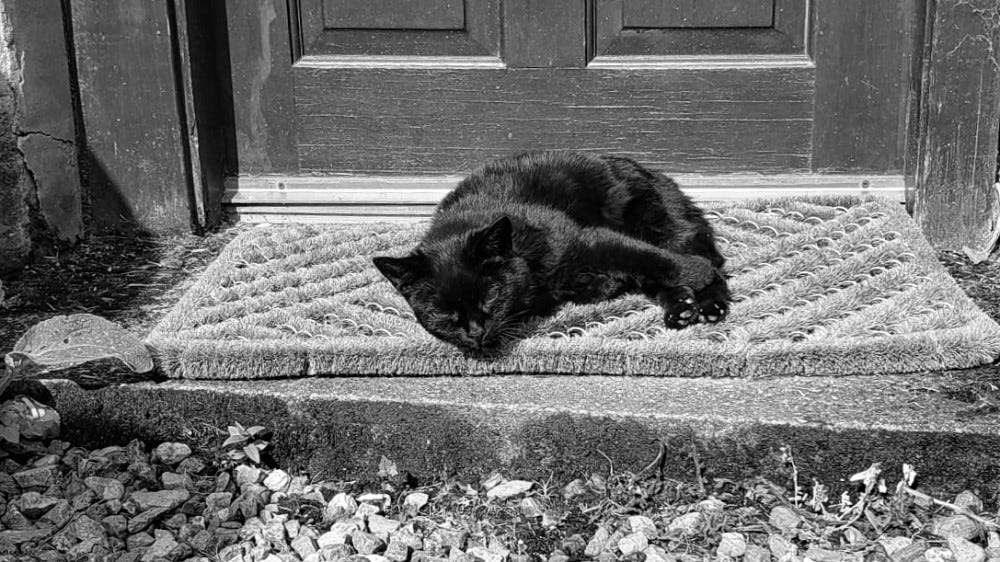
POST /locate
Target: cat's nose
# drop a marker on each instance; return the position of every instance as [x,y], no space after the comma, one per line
[476,332]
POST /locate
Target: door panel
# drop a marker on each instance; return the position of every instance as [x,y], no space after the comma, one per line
[425,28]
[637,14]
[373,122]
[390,14]
[700,27]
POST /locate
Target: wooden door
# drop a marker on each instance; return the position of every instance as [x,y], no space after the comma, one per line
[383,102]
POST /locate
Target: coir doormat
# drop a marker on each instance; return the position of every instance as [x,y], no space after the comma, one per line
[822,287]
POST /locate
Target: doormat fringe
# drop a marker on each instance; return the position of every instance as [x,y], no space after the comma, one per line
[822,286]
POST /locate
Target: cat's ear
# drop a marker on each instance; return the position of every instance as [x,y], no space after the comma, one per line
[495,240]
[402,271]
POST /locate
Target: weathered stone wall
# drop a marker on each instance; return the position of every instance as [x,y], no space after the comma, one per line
[40,190]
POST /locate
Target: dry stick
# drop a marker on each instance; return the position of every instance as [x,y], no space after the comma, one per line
[697,468]
[657,462]
[951,506]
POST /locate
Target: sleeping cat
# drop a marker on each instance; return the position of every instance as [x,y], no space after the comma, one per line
[524,235]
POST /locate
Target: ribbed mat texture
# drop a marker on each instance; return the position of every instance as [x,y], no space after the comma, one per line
[822,287]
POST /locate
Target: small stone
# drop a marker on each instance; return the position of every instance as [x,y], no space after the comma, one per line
[416,500]
[817,554]
[191,465]
[202,540]
[397,551]
[912,553]
[171,453]
[657,554]
[965,551]
[40,477]
[575,488]
[938,554]
[636,542]
[784,519]
[559,556]
[509,489]
[59,515]
[232,553]
[711,505]
[687,524]
[175,480]
[292,527]
[82,551]
[342,552]
[145,518]
[304,546]
[854,536]
[531,508]
[217,501]
[139,540]
[366,543]
[34,505]
[598,543]
[412,540]
[246,474]
[116,525]
[277,481]
[993,539]
[15,520]
[892,545]
[485,554]
[165,547]
[339,532]
[644,525]
[781,547]
[175,521]
[450,538]
[955,526]
[365,510]
[340,505]
[105,488]
[169,499]
[756,553]
[13,537]
[732,545]
[274,531]
[381,526]
[969,500]
[87,529]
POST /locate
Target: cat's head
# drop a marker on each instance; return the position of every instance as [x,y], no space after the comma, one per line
[472,291]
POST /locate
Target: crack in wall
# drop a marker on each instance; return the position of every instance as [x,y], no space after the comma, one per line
[24,134]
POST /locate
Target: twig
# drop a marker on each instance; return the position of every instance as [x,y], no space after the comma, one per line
[697,468]
[951,506]
[657,462]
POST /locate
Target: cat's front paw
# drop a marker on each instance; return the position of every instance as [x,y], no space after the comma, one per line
[680,307]
[713,301]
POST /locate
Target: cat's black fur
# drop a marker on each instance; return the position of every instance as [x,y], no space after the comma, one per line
[522,236]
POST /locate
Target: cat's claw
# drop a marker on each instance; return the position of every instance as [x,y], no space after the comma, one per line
[680,309]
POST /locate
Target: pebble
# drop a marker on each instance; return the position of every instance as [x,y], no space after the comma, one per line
[756,553]
[340,505]
[174,480]
[366,543]
[16,520]
[968,500]
[191,465]
[40,477]
[105,488]
[169,499]
[165,547]
[732,545]
[59,514]
[635,542]
[304,546]
[938,554]
[509,489]
[965,551]
[688,524]
[277,481]
[416,500]
[912,553]
[171,453]
[116,525]
[657,554]
[955,526]
[397,551]
[574,545]
[382,526]
[339,532]
[530,507]
[575,488]
[145,518]
[892,545]
[558,556]
[785,519]
[781,547]
[644,525]
[599,542]
[33,505]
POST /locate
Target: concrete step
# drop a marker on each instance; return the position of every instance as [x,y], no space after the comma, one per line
[541,426]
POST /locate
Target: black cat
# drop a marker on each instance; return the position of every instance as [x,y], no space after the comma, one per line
[522,236]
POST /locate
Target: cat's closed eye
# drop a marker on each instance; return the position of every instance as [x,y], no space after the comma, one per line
[489,298]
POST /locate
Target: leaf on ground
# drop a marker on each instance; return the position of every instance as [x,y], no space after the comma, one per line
[387,468]
[252,453]
[67,341]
